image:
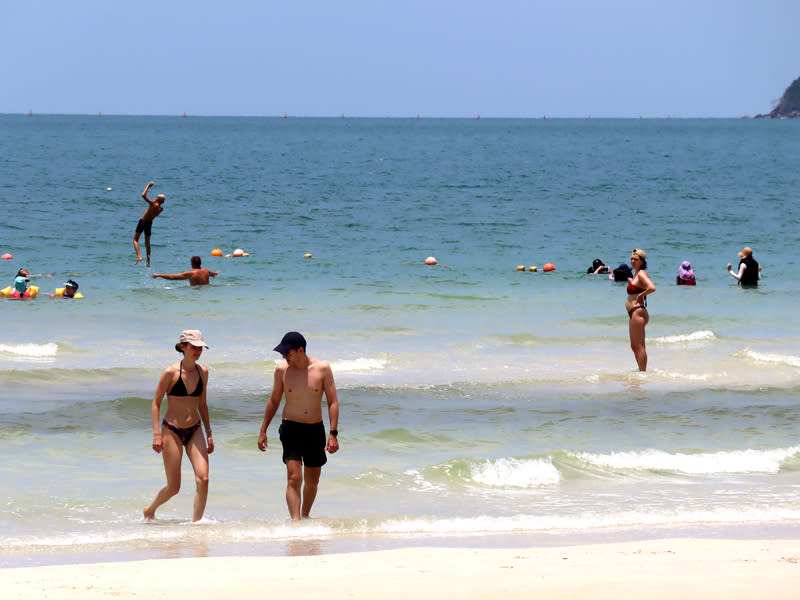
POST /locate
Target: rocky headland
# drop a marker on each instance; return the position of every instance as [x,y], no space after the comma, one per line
[788,106]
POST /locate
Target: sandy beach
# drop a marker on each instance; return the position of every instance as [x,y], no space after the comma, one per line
[670,568]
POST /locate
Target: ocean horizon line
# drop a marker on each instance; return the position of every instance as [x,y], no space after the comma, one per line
[345,116]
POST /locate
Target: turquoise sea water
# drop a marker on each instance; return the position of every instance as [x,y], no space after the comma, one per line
[476,399]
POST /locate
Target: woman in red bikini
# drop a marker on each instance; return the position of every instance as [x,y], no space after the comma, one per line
[639,287]
[180,428]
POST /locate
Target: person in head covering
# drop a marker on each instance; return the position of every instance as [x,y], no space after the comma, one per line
[303,380]
[69,290]
[622,273]
[749,270]
[636,304]
[597,267]
[21,281]
[184,384]
[685,274]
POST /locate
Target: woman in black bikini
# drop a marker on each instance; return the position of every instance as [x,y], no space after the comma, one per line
[180,427]
[636,305]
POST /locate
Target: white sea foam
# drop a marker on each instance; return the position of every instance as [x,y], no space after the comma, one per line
[420,484]
[511,472]
[586,521]
[247,532]
[707,463]
[282,531]
[359,365]
[209,527]
[46,350]
[695,336]
[787,359]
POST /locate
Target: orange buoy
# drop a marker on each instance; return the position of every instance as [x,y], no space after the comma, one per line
[7,256]
[216,252]
[307,255]
[520,267]
[533,268]
[431,261]
[549,267]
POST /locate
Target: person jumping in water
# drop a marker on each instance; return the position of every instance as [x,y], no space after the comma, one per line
[146,223]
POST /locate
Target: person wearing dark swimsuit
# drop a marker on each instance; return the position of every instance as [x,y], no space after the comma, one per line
[304,380]
[639,287]
[177,433]
[179,389]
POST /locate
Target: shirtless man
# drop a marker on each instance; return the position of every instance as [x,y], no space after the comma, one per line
[146,223]
[303,379]
[197,276]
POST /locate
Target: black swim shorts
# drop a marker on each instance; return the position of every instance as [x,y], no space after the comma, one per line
[304,442]
[145,226]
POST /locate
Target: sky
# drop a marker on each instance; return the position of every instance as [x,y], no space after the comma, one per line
[389,58]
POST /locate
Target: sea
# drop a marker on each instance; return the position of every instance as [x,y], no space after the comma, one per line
[482,403]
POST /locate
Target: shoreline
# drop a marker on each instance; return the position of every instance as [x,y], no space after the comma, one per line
[655,569]
[314,545]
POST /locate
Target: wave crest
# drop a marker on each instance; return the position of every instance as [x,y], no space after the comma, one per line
[706,463]
[769,357]
[45,350]
[359,365]
[696,336]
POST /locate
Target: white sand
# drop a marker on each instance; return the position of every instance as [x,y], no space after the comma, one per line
[676,569]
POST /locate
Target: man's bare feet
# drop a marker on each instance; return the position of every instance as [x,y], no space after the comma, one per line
[138,260]
[148,515]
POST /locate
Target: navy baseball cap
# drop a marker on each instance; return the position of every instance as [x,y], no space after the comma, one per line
[290,341]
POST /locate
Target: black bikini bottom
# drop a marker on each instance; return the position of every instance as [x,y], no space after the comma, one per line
[184,433]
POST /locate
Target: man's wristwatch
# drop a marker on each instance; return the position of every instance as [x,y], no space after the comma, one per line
[334,432]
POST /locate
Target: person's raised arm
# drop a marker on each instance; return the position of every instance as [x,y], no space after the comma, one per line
[144,193]
[272,405]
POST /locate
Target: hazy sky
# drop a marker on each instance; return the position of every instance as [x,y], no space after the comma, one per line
[435,58]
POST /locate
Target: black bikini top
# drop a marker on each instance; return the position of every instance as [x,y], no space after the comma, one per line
[179,389]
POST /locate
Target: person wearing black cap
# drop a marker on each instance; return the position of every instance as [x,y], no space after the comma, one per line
[598,267]
[303,380]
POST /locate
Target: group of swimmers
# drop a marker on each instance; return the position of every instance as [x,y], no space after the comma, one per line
[22,290]
[640,286]
[748,273]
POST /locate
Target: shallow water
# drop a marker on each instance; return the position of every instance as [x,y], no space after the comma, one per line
[476,399]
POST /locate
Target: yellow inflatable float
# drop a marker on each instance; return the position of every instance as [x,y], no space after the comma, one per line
[60,294]
[10,292]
